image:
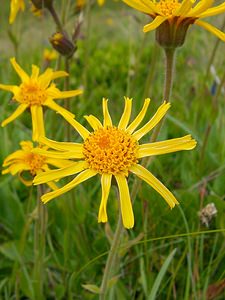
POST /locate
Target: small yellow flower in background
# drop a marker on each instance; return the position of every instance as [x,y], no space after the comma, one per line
[25,161]
[15,6]
[37,91]
[50,55]
[36,11]
[101,2]
[177,12]
[112,151]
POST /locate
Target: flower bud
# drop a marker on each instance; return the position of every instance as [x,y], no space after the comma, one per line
[39,4]
[170,34]
[62,44]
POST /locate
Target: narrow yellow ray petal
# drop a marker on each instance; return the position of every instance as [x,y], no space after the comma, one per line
[83,132]
[151,5]
[126,114]
[213,11]
[9,88]
[18,167]
[60,173]
[168,146]
[214,30]
[125,202]
[201,6]
[35,72]
[20,109]
[185,7]
[17,155]
[37,122]
[58,163]
[45,78]
[59,109]
[149,8]
[148,177]
[105,184]
[68,94]
[62,146]
[139,117]
[52,185]
[59,154]
[24,181]
[94,122]
[58,74]
[80,178]
[106,116]
[160,113]
[154,24]
[22,74]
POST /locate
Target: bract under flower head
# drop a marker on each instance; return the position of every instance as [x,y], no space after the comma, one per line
[36,91]
[177,16]
[112,151]
[25,161]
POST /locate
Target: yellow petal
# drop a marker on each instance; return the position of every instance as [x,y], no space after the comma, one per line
[154,24]
[162,110]
[106,116]
[58,74]
[173,145]
[52,185]
[201,6]
[22,74]
[58,163]
[148,8]
[94,122]
[60,173]
[83,132]
[185,7]
[45,78]
[59,109]
[66,94]
[18,167]
[37,122]
[106,184]
[213,11]
[212,29]
[139,117]
[148,177]
[17,155]
[20,109]
[35,72]
[59,154]
[6,87]
[126,114]
[80,178]
[61,146]
[125,202]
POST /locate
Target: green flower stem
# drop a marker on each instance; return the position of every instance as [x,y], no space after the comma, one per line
[39,245]
[111,258]
[56,18]
[170,54]
[67,103]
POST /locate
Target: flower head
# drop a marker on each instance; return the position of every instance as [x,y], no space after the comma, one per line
[27,164]
[15,6]
[178,14]
[113,151]
[36,91]
[50,55]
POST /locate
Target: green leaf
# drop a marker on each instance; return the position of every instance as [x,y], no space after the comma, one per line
[160,276]
[91,288]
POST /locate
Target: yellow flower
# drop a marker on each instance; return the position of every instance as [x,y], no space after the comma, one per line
[101,2]
[36,91]
[15,6]
[177,12]
[113,151]
[50,55]
[25,161]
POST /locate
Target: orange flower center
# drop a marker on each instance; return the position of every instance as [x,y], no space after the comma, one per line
[168,7]
[36,162]
[110,151]
[32,94]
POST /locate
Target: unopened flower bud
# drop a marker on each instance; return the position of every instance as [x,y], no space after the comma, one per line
[62,44]
[39,4]
[170,34]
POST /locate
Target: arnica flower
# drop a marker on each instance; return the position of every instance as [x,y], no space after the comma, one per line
[15,6]
[171,18]
[37,91]
[27,164]
[113,151]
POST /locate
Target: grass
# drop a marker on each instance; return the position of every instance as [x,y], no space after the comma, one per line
[117,59]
